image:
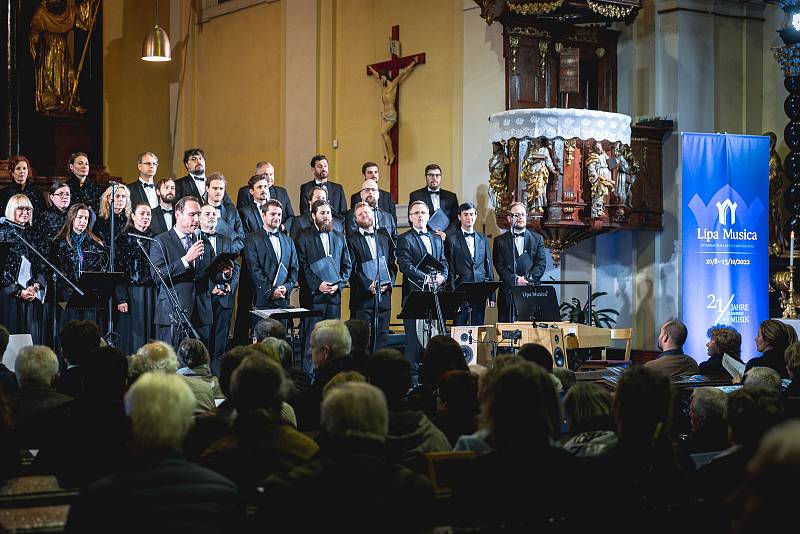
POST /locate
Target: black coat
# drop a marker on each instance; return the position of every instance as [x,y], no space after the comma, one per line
[138,195]
[263,267]
[275,192]
[158,224]
[410,251]
[30,191]
[303,222]
[89,194]
[532,266]
[251,218]
[336,198]
[385,222]
[65,257]
[361,298]
[385,202]
[51,220]
[185,187]
[230,224]
[310,250]
[463,267]
[448,202]
[192,286]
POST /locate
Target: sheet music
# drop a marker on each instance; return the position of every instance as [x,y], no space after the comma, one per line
[371,269]
[734,368]
[265,314]
[280,276]
[24,276]
[439,221]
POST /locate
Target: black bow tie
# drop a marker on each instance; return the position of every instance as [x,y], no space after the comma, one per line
[369,234]
[148,185]
[468,234]
[166,211]
[273,234]
[521,234]
[433,192]
[426,234]
[199,178]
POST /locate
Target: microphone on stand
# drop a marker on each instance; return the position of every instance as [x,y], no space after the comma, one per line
[112,182]
[3,220]
[137,236]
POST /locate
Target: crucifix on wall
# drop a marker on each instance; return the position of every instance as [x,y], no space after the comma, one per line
[391,74]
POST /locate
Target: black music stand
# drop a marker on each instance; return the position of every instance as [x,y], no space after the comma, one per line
[97,287]
[422,305]
[289,314]
[536,303]
[476,294]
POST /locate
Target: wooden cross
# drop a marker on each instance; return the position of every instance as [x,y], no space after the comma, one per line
[391,69]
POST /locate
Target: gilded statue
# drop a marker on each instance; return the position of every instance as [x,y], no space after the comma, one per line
[536,168]
[777,241]
[50,27]
[599,178]
[389,113]
[627,169]
[497,169]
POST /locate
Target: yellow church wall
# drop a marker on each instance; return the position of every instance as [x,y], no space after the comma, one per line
[135,93]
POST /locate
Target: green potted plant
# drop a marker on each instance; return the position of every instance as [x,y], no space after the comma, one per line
[576,312]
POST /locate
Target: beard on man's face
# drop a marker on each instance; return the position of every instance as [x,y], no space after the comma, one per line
[325,226]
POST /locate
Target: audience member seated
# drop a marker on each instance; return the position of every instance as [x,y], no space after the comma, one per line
[139,364]
[566,377]
[300,381]
[93,436]
[587,407]
[752,412]
[538,354]
[643,470]
[709,425]
[360,351]
[330,354]
[8,380]
[193,355]
[479,442]
[442,354]
[522,413]
[672,361]
[411,432]
[762,377]
[159,491]
[77,339]
[260,443]
[349,485]
[457,404]
[341,378]
[36,406]
[267,328]
[722,340]
[771,341]
[9,449]
[166,361]
[792,393]
[765,503]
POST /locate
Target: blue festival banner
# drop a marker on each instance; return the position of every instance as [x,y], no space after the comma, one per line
[725,225]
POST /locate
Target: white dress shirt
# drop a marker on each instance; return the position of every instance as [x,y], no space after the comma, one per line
[150,193]
[373,247]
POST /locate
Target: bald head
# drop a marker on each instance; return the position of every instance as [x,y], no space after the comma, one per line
[369,192]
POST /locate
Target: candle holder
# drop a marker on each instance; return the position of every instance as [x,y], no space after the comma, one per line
[789,311]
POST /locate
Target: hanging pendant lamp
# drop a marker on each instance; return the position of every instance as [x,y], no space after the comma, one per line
[156,45]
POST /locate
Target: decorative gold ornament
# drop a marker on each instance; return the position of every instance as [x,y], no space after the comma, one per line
[513,44]
[543,46]
[610,10]
[569,151]
[529,30]
[512,150]
[557,47]
[534,8]
[600,52]
[497,169]
[584,35]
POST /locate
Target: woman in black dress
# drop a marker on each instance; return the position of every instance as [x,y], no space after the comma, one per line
[53,216]
[19,169]
[22,274]
[74,251]
[122,212]
[136,297]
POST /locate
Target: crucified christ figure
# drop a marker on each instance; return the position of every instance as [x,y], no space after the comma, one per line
[389,113]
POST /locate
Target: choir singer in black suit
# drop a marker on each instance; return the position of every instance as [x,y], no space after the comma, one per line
[183,259]
[368,245]
[194,183]
[144,189]
[371,195]
[163,215]
[370,171]
[321,290]
[521,248]
[469,260]
[250,214]
[297,224]
[435,197]
[223,291]
[319,168]
[274,192]
[228,220]
[411,248]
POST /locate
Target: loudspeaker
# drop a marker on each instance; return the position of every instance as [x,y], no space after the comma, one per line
[476,343]
[553,339]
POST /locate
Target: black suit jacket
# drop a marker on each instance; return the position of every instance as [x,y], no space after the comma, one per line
[137,193]
[185,187]
[192,286]
[385,202]
[463,268]
[310,250]
[505,252]
[448,202]
[361,298]
[410,250]
[336,198]
[89,194]
[157,223]
[385,222]
[250,216]
[275,192]
[230,224]
[226,244]
[263,267]
[302,222]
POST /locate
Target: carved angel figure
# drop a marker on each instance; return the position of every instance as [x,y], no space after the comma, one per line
[777,241]
[497,169]
[599,178]
[627,169]
[536,168]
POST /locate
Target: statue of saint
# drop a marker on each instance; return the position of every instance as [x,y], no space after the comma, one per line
[599,178]
[389,113]
[497,169]
[50,26]
[536,168]
[627,168]
[777,241]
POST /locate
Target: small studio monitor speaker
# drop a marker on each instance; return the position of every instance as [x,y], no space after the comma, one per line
[476,343]
[553,339]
